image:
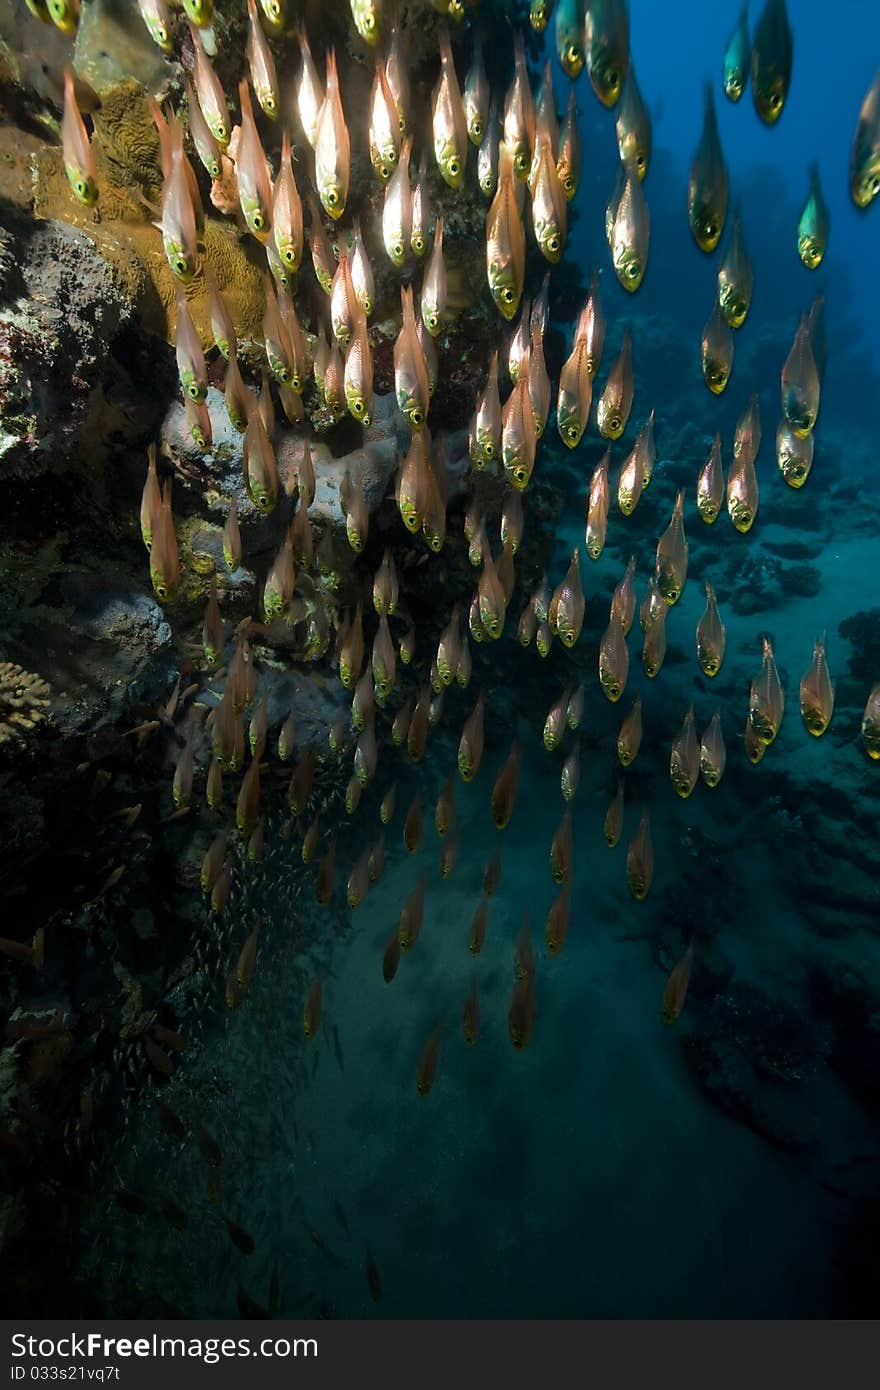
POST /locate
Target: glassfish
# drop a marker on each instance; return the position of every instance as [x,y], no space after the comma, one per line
[713,754]
[79,159]
[640,859]
[710,636]
[677,986]
[817,692]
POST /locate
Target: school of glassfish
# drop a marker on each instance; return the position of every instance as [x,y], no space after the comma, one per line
[526,161]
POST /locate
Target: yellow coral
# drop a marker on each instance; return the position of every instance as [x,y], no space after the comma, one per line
[24,699]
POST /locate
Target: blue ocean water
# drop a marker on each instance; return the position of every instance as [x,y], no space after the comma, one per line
[726,1166]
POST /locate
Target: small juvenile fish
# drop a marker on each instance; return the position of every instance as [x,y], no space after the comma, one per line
[79,159]
[287,213]
[326,876]
[710,484]
[505,789]
[358,375]
[164,553]
[735,278]
[470,1023]
[672,555]
[597,508]
[814,224]
[677,986]
[562,849]
[555,723]
[505,241]
[570,36]
[613,661]
[771,61]
[384,129]
[413,825]
[491,597]
[800,383]
[512,520]
[247,810]
[261,64]
[615,403]
[613,826]
[737,58]
[252,175]
[411,916]
[654,647]
[716,351]
[710,636]
[766,698]
[433,298]
[558,922]
[793,455]
[477,934]
[817,692]
[870,728]
[623,600]
[427,1068]
[634,125]
[191,367]
[864,169]
[568,158]
[629,231]
[742,482]
[448,119]
[156,16]
[708,182]
[521,1014]
[332,146]
[410,374]
[518,121]
[209,91]
[640,859]
[151,499]
[376,860]
[476,96]
[713,754]
[575,386]
[312,1010]
[684,762]
[470,748]
[570,777]
[488,154]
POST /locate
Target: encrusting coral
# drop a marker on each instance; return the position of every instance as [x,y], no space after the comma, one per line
[24,700]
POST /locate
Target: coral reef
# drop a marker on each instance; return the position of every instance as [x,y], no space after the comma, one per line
[24,701]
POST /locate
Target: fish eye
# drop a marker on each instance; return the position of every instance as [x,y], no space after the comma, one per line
[572,432]
[571,53]
[161,590]
[288,255]
[332,197]
[269,102]
[633,269]
[417,417]
[553,243]
[568,183]
[220,131]
[612,77]
[418,244]
[477,127]
[507,295]
[614,423]
[454,167]
[259,221]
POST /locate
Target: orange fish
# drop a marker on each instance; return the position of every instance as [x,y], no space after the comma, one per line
[613,826]
[558,921]
[640,859]
[817,692]
[710,636]
[427,1068]
[506,787]
[684,761]
[676,989]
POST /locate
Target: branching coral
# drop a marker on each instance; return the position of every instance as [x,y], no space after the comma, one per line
[24,700]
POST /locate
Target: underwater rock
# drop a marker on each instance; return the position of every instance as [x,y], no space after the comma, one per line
[841,994]
[54,344]
[219,472]
[113,43]
[862,631]
[753,1056]
[111,613]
